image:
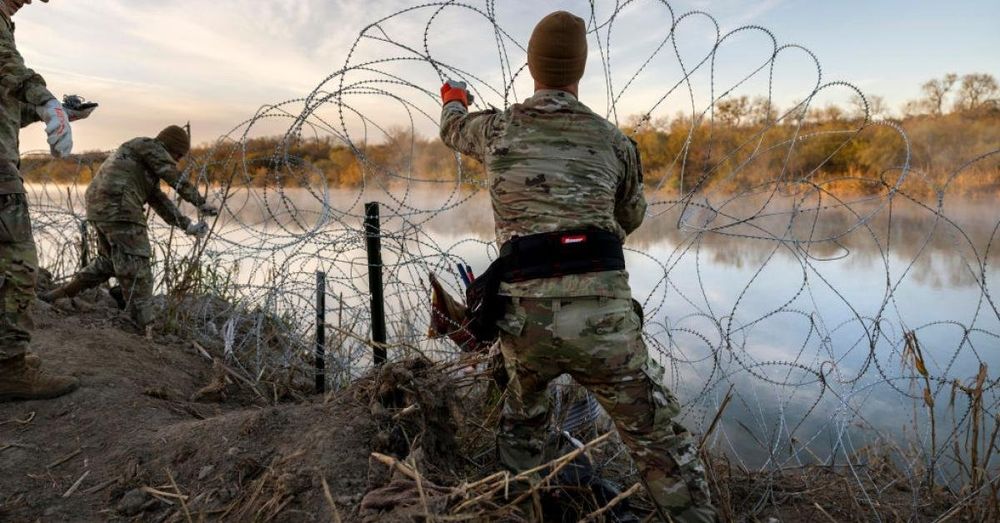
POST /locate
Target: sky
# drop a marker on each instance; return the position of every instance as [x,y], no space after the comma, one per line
[150,63]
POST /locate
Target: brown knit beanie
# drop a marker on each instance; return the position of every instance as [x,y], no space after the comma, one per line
[557,51]
[176,140]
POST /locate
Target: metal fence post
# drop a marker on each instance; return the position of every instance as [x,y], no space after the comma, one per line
[320,332]
[373,240]
[84,245]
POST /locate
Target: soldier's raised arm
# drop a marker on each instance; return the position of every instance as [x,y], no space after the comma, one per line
[461,130]
[29,90]
[630,203]
[161,203]
[161,159]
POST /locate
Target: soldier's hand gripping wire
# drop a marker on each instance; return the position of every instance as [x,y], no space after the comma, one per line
[456,91]
[198,230]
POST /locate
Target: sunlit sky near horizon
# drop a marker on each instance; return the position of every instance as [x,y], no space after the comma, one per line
[154,62]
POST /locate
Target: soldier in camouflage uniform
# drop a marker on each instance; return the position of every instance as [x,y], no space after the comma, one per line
[116,200]
[25,100]
[554,165]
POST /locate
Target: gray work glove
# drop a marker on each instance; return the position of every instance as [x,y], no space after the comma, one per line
[56,127]
[77,108]
[207,209]
[199,229]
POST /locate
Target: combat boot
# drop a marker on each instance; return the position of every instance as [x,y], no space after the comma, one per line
[118,295]
[68,290]
[21,381]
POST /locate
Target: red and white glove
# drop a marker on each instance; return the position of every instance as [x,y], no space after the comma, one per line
[456,91]
[56,127]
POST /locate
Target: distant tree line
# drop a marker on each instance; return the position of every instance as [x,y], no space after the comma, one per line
[747,142]
[740,144]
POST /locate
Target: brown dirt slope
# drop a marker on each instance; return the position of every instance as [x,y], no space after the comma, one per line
[160,432]
[130,444]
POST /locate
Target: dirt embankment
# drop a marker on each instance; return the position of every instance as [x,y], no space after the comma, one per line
[157,431]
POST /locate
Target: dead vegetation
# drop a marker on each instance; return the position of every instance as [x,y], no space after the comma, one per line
[168,430]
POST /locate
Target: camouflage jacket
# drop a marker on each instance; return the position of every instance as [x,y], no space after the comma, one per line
[552,165]
[21,91]
[130,178]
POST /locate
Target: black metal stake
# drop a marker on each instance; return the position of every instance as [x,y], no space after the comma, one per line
[84,245]
[373,239]
[320,332]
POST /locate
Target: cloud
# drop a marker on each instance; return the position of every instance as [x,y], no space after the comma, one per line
[153,62]
[150,63]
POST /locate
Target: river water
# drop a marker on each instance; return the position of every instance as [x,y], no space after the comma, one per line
[800,310]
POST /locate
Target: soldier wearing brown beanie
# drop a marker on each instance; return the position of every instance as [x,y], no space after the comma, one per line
[116,200]
[566,188]
[557,52]
[175,140]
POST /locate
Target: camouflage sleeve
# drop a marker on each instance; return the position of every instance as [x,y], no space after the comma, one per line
[465,132]
[159,162]
[29,115]
[16,79]
[161,203]
[630,205]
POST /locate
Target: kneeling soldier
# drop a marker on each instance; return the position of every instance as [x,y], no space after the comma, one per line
[566,187]
[116,200]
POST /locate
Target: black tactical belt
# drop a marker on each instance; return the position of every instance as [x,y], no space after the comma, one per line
[537,256]
[560,253]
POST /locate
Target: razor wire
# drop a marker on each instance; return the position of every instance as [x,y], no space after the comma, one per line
[798,298]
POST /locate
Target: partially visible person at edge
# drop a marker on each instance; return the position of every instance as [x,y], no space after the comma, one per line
[116,200]
[553,165]
[26,100]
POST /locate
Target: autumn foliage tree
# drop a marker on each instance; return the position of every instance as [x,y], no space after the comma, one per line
[740,144]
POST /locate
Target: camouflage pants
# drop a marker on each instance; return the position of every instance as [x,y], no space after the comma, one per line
[18,270]
[123,251]
[598,341]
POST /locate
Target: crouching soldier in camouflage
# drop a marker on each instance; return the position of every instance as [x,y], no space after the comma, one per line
[24,99]
[566,187]
[116,200]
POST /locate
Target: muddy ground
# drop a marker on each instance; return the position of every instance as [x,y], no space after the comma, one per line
[133,423]
[162,431]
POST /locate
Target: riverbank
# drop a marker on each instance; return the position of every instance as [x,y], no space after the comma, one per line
[164,430]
